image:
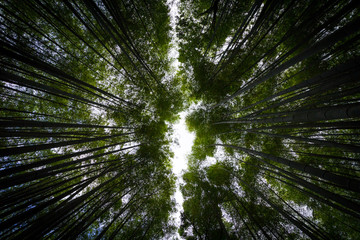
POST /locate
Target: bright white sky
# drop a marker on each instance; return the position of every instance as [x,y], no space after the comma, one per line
[183,139]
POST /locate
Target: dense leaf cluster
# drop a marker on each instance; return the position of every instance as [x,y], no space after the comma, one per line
[86,102]
[88,97]
[276,154]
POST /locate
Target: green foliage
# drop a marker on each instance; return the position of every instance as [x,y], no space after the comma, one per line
[274,85]
[88,99]
[86,107]
[219,175]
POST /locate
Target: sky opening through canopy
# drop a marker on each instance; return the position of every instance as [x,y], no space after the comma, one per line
[182,138]
[182,143]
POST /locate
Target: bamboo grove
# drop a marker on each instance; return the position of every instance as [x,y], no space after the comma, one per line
[85,97]
[277,90]
[88,98]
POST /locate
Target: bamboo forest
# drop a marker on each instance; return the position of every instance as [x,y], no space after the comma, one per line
[91,91]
